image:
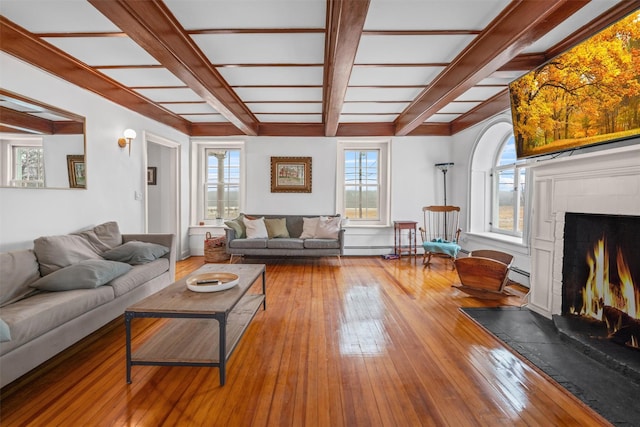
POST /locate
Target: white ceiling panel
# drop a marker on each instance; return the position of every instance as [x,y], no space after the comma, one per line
[392,76]
[479,93]
[190,108]
[290,118]
[374,107]
[100,51]
[361,118]
[385,49]
[501,78]
[56,16]
[272,76]
[442,118]
[285,107]
[141,77]
[458,107]
[279,94]
[432,15]
[205,118]
[216,14]
[262,48]
[381,94]
[170,95]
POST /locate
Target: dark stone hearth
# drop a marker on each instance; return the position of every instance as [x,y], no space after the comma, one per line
[575,362]
[590,337]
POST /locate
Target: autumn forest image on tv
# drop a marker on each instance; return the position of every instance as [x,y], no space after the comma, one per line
[588,95]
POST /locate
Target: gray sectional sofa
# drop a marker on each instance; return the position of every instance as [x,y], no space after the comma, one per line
[69,286]
[286,236]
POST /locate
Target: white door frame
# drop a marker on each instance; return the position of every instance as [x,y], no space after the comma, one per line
[149,137]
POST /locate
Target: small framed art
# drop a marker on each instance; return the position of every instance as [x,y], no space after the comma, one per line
[76,170]
[291,174]
[152,175]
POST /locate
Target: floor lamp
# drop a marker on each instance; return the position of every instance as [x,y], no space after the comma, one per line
[444,167]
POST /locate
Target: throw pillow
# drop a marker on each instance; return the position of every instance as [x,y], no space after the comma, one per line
[255,228]
[5,333]
[328,227]
[88,274]
[135,252]
[309,226]
[56,252]
[18,270]
[104,236]
[237,225]
[276,227]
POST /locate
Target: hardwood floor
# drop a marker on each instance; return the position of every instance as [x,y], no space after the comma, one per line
[371,342]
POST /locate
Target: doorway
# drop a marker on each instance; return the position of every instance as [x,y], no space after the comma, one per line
[162,199]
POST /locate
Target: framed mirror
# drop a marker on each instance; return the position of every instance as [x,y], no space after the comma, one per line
[41,146]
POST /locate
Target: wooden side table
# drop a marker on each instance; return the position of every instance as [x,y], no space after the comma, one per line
[398,248]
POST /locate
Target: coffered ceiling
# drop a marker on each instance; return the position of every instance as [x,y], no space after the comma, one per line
[301,67]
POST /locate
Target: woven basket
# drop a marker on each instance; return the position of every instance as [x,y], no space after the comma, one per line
[215,248]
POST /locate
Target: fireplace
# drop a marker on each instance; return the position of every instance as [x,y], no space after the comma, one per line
[601,273]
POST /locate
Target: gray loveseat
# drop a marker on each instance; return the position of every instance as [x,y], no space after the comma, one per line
[69,286]
[287,235]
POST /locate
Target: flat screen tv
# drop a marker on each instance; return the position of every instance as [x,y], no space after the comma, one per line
[588,95]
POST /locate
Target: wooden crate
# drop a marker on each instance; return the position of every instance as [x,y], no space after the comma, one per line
[215,248]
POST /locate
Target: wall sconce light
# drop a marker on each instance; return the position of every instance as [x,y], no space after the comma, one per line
[129,135]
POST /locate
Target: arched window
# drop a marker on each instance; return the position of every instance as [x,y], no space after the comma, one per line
[508,195]
[497,190]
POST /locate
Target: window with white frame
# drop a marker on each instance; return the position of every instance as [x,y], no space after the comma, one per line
[498,195]
[508,196]
[220,181]
[25,163]
[363,182]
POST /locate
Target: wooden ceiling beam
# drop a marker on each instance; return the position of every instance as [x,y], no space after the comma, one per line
[26,122]
[432,129]
[152,26]
[365,129]
[22,44]
[291,129]
[530,61]
[603,21]
[495,105]
[345,22]
[214,129]
[519,25]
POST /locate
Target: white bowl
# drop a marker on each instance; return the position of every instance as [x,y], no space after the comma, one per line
[212,282]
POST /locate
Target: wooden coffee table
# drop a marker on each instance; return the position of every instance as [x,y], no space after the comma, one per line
[190,337]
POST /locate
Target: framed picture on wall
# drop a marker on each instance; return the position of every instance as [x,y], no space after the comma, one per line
[152,175]
[76,170]
[291,174]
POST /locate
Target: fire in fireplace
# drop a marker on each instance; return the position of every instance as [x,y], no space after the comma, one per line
[601,273]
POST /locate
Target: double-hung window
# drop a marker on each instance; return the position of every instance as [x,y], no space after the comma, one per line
[363,182]
[509,179]
[220,181]
[26,163]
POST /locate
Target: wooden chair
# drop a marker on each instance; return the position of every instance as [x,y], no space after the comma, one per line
[440,232]
[484,273]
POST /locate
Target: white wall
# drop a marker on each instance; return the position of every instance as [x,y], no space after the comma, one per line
[260,199]
[415,183]
[113,177]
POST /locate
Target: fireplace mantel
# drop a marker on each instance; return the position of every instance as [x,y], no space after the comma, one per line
[606,182]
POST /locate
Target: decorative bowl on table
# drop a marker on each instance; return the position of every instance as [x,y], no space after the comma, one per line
[212,282]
